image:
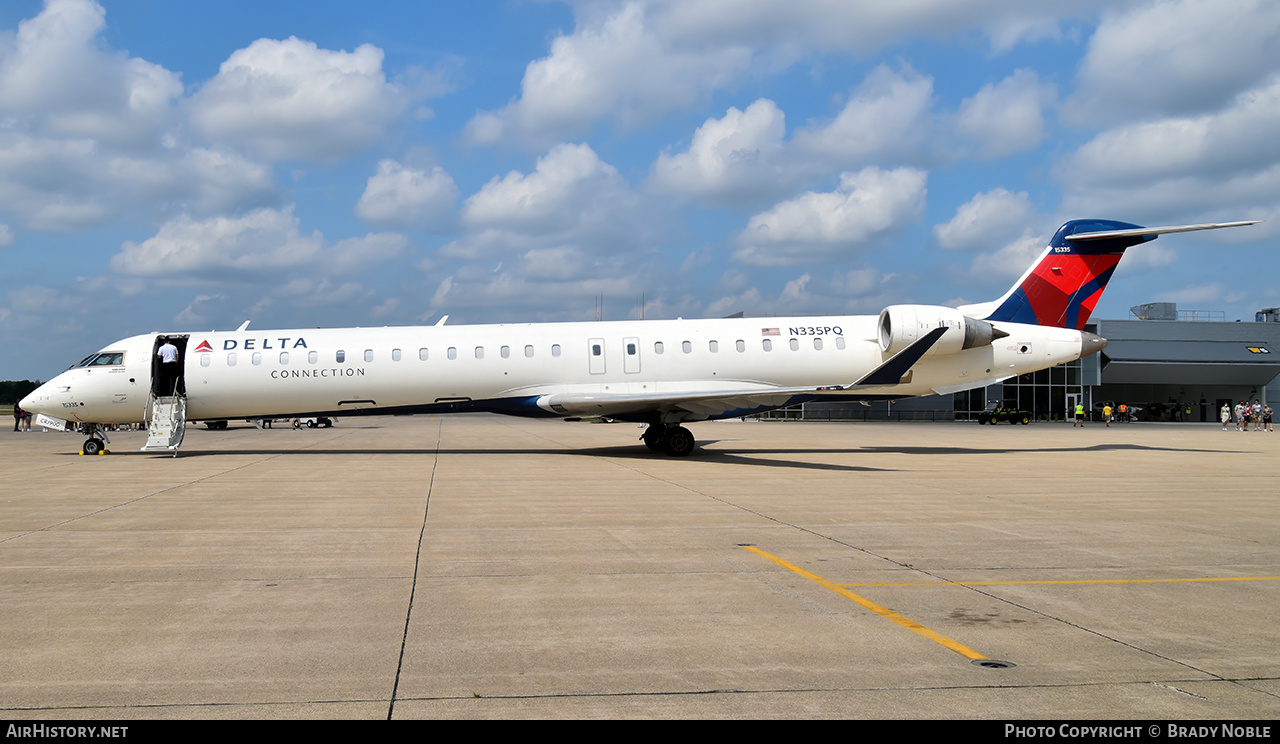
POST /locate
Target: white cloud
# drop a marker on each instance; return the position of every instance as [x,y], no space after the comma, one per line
[802,26]
[264,239]
[196,313]
[1200,293]
[730,159]
[1175,57]
[323,292]
[859,290]
[54,73]
[1009,261]
[868,206]
[1224,161]
[992,217]
[886,119]
[744,157]
[291,100]
[88,133]
[35,298]
[637,60]
[1006,118]
[560,191]
[254,244]
[401,197]
[522,287]
[355,254]
[611,66]
[571,198]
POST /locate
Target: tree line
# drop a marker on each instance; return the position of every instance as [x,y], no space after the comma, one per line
[12,391]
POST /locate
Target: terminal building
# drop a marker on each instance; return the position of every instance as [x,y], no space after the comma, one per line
[1164,364]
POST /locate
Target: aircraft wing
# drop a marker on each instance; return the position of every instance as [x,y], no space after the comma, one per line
[699,403]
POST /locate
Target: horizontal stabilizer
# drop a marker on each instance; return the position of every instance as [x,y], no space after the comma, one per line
[1137,232]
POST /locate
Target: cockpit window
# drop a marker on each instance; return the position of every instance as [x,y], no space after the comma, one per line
[104,359]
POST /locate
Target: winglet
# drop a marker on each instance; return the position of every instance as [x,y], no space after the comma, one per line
[897,367]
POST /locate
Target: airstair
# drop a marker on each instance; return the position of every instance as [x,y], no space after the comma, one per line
[168,423]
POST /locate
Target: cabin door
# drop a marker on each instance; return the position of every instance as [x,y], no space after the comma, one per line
[169,379]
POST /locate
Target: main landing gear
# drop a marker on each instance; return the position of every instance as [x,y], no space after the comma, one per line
[675,440]
[96,444]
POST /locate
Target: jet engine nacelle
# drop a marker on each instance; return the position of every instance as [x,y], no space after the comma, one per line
[900,325]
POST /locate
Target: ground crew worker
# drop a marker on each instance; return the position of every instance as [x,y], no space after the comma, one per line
[1079,416]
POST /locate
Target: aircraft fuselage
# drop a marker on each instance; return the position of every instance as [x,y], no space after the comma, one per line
[513,368]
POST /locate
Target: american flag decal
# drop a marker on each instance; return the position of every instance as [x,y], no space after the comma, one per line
[769,332]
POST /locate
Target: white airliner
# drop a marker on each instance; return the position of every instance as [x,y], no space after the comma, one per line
[663,373]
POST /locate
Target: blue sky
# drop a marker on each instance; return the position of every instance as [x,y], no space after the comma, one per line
[189,166]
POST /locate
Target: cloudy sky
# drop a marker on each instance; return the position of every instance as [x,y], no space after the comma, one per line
[190,166]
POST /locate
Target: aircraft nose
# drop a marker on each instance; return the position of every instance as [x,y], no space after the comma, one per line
[39,399]
[1091,343]
[29,402]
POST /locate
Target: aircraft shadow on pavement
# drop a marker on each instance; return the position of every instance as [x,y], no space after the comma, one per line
[754,456]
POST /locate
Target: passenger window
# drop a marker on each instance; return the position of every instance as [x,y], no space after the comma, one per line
[767,344]
[341,357]
[740,345]
[555,350]
[422,355]
[839,342]
[817,344]
[795,344]
[596,350]
[395,355]
[505,352]
[479,352]
[714,346]
[313,357]
[368,355]
[631,349]
[528,351]
[686,347]
[231,359]
[284,357]
[256,358]
[657,347]
[452,353]
[205,359]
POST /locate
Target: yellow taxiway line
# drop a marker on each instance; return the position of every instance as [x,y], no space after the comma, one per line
[884,612]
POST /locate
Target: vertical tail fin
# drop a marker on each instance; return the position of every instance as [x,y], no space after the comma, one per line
[1064,285]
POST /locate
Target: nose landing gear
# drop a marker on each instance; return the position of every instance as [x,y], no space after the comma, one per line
[96,444]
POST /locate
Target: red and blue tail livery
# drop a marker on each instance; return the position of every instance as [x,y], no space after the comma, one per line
[1063,287]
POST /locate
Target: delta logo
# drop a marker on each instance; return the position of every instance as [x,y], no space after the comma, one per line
[253,344]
